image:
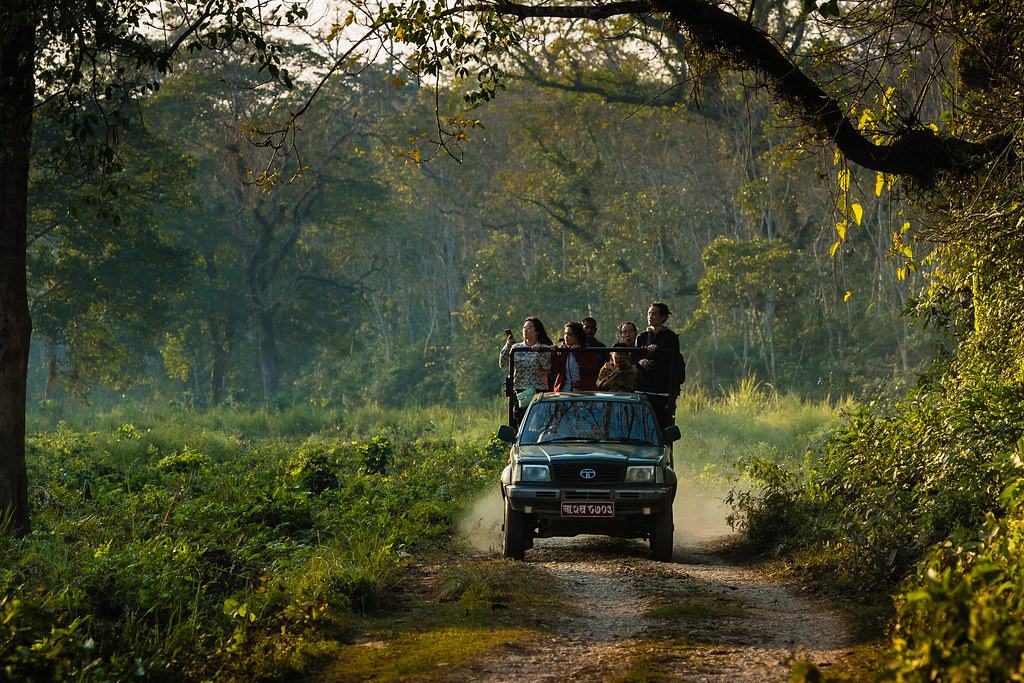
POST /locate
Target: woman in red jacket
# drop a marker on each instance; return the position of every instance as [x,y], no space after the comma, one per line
[572,370]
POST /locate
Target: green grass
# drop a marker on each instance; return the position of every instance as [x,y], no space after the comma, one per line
[459,421]
[420,656]
[460,611]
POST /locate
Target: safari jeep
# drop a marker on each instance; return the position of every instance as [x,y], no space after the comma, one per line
[588,463]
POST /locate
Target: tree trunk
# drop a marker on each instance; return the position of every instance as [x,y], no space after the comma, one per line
[53,383]
[218,360]
[219,332]
[769,333]
[270,362]
[17,83]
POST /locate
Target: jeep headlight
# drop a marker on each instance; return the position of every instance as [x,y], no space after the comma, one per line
[643,474]
[533,473]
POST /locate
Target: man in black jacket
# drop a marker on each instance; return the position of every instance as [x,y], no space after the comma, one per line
[660,374]
[590,327]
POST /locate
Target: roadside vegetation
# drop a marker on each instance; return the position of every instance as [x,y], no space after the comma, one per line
[242,544]
[228,545]
[922,498]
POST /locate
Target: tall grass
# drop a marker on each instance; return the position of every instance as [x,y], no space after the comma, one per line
[749,420]
[468,421]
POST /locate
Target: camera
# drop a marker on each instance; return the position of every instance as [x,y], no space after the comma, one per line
[508,333]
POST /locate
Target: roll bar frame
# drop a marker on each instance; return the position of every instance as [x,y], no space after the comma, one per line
[510,391]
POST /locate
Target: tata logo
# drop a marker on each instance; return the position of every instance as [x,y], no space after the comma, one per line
[587,474]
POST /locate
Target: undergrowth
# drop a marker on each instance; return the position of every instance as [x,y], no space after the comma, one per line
[176,551]
[922,498]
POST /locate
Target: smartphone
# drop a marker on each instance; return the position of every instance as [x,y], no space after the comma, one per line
[508,333]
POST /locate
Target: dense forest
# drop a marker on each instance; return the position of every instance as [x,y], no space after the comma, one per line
[228,213]
[366,272]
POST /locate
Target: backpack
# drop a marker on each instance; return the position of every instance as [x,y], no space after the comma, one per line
[679,371]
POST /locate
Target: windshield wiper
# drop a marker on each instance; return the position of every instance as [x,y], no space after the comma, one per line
[639,442]
[564,438]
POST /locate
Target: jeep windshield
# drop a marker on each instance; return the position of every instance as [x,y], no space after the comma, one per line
[590,420]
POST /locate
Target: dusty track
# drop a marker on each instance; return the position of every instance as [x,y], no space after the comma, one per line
[698,618]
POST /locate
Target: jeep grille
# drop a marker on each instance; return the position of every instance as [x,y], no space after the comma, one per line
[604,473]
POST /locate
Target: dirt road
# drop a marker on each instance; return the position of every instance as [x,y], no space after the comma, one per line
[698,618]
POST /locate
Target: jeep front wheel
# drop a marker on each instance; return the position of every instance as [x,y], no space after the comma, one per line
[514,543]
[661,538]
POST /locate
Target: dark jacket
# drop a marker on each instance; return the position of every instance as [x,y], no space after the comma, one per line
[605,357]
[659,377]
[590,365]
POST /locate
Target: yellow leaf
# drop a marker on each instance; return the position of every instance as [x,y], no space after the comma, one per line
[399,34]
[844,179]
[836,158]
[901,273]
[841,230]
[833,250]
[908,251]
[397,82]
[879,183]
[848,295]
[417,155]
[858,212]
[906,226]
[933,127]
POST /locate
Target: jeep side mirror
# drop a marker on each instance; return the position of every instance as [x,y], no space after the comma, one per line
[506,433]
[672,434]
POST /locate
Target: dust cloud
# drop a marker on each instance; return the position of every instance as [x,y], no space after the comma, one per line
[699,512]
[481,526]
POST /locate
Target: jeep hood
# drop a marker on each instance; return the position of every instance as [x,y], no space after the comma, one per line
[614,452]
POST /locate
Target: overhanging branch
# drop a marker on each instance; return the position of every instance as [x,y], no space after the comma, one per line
[918,153]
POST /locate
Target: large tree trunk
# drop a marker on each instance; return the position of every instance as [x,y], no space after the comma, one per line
[17,84]
[219,334]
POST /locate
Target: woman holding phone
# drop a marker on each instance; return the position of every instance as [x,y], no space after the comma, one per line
[531,373]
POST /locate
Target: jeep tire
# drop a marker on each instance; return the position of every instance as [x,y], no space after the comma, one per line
[514,539]
[661,537]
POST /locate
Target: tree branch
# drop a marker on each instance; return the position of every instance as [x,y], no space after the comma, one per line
[590,12]
[919,153]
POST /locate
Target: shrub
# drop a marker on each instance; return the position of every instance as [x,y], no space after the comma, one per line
[961,616]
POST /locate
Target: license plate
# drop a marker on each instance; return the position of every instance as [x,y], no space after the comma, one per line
[585,509]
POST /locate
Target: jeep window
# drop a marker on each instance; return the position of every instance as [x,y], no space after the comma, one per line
[583,420]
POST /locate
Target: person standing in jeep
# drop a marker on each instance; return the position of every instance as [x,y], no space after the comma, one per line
[660,365]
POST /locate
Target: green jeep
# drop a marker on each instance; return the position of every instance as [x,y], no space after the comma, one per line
[589,463]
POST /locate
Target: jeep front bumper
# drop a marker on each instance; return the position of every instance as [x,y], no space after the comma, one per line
[633,501]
